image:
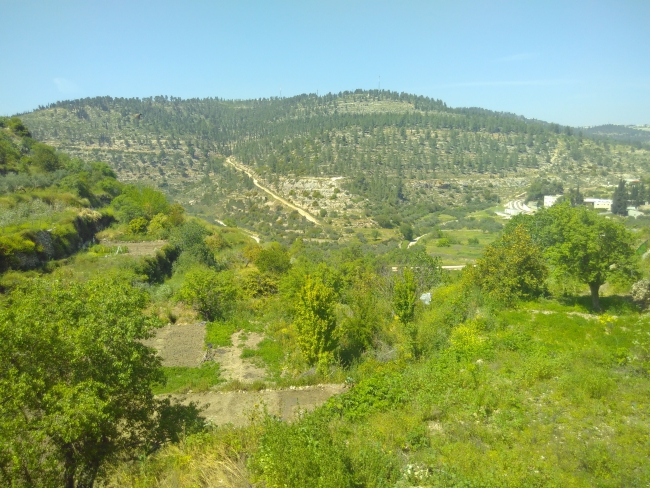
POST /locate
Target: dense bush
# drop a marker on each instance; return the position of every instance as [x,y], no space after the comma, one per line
[511,268]
[209,292]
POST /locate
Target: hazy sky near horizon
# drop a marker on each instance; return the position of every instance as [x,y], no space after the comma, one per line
[581,62]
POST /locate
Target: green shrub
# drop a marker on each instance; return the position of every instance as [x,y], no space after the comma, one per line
[138,225]
[209,292]
[273,259]
[301,454]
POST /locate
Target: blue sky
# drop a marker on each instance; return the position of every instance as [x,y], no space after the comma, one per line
[572,62]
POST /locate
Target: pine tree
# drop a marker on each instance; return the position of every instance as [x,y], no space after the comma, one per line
[619,199]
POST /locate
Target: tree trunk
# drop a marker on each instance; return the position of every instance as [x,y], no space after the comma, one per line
[595,300]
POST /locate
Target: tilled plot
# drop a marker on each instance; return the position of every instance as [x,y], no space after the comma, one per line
[179,345]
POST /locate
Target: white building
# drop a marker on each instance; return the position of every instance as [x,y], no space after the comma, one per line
[599,203]
[549,200]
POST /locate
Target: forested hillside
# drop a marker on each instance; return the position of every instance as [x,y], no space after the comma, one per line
[375,157]
[639,136]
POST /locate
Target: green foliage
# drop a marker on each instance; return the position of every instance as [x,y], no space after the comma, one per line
[259,285]
[587,246]
[180,379]
[44,158]
[273,259]
[218,333]
[138,225]
[315,322]
[301,454]
[155,269]
[17,127]
[158,226]
[190,238]
[358,328]
[542,186]
[405,297]
[209,292]
[379,392]
[73,360]
[619,199]
[512,268]
[137,202]
[406,230]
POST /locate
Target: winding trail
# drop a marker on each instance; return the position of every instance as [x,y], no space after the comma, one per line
[284,202]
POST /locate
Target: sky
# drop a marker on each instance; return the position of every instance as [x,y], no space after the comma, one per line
[573,62]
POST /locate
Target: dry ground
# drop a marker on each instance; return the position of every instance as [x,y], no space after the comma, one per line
[179,344]
[233,367]
[240,407]
[183,345]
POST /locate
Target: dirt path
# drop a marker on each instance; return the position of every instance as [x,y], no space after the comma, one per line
[179,345]
[415,241]
[300,210]
[237,407]
[587,316]
[233,367]
[255,237]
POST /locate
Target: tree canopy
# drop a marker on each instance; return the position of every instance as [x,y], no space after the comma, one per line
[75,382]
[581,243]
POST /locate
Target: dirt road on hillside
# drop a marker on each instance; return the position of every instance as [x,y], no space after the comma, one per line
[284,202]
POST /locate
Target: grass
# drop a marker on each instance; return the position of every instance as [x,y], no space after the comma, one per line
[183,379]
[219,333]
[460,252]
[512,397]
[270,353]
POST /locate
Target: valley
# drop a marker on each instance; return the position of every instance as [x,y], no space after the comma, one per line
[364,289]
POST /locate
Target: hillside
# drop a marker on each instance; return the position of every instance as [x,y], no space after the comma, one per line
[146,347]
[354,160]
[637,135]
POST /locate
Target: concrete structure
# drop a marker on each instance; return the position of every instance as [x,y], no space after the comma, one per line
[599,203]
[633,212]
[549,200]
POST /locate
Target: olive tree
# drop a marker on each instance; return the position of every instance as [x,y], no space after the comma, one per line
[75,382]
[581,243]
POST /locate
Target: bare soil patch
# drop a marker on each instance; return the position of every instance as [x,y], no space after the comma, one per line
[179,344]
[137,249]
[239,407]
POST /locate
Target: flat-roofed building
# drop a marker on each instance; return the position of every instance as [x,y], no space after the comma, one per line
[599,203]
[550,200]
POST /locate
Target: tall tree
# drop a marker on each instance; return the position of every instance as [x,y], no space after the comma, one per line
[315,322]
[619,199]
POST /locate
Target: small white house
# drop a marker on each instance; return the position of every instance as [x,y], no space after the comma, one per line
[549,200]
[599,203]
